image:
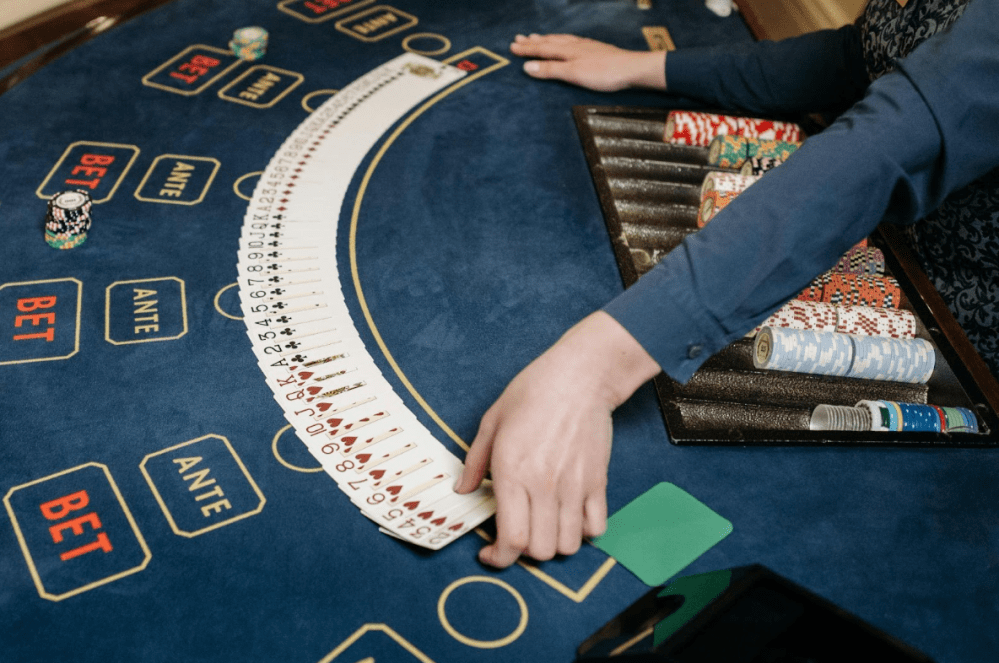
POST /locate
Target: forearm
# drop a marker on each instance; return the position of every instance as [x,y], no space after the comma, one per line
[819,71]
[916,137]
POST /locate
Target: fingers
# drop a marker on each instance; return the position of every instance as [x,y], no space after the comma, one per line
[595,515]
[570,526]
[549,69]
[546,47]
[512,528]
[544,526]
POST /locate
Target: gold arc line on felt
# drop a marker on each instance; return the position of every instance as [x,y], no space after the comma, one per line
[307,98]
[472,642]
[294,468]
[445,43]
[235,185]
[218,307]
[577,595]
[500,62]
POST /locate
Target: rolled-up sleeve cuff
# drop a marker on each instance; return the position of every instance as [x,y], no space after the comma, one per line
[661,313]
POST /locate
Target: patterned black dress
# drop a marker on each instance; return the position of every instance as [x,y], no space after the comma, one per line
[957,243]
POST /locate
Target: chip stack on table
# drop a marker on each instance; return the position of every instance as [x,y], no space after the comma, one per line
[757,166]
[862,260]
[249,43]
[854,289]
[831,353]
[698,129]
[67,219]
[733,151]
[718,190]
[856,320]
[891,416]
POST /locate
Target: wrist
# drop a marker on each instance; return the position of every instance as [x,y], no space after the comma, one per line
[604,351]
[647,69]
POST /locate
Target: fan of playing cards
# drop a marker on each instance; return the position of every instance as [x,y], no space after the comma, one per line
[305,341]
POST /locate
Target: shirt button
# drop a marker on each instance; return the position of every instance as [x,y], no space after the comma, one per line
[694,351]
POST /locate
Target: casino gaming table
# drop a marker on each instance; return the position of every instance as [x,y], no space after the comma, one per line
[125,361]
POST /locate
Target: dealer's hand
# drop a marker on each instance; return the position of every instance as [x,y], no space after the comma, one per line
[547,441]
[589,63]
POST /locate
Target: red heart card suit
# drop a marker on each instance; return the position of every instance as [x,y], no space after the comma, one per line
[305,375]
[377,474]
[412,505]
[455,527]
[363,458]
[349,441]
[334,422]
[425,514]
[393,490]
[438,522]
[322,407]
[314,390]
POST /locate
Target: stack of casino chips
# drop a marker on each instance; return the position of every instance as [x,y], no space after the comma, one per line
[249,43]
[734,151]
[67,219]
[757,166]
[698,129]
[856,320]
[895,417]
[718,190]
[862,260]
[845,355]
[854,289]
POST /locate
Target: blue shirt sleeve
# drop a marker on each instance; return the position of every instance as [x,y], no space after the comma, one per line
[920,132]
[820,71]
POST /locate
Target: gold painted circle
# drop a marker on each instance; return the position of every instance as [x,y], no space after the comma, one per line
[235,185]
[446,43]
[482,644]
[296,468]
[314,93]
[218,307]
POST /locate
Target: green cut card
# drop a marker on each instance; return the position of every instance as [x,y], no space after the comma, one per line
[660,532]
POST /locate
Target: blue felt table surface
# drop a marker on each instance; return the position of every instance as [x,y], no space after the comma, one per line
[479,241]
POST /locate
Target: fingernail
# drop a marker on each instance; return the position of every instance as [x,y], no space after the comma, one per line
[457,483]
[520,37]
[532,67]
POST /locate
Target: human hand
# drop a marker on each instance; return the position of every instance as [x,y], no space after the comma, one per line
[589,63]
[547,441]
